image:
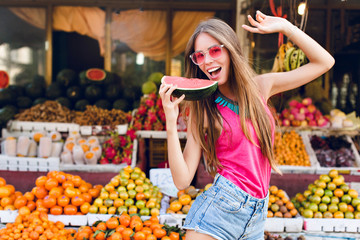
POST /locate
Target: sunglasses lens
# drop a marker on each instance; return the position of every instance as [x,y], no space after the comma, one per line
[215,52]
[198,57]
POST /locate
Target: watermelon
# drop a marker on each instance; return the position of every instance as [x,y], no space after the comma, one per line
[66,77]
[4,79]
[193,88]
[95,75]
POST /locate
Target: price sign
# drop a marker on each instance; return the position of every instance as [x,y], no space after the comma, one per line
[162,178]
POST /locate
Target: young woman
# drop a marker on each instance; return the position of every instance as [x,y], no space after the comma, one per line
[234,128]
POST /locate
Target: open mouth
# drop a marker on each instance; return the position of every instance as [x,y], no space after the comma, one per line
[214,71]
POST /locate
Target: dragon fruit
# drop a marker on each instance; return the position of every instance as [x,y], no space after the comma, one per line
[110,153]
[104,160]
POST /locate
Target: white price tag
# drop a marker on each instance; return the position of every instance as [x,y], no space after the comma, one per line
[162,178]
[86,130]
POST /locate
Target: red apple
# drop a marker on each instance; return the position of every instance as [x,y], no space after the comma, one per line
[295,123]
[312,123]
[293,103]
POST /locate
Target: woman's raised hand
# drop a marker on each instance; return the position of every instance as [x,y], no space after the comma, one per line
[170,104]
[266,24]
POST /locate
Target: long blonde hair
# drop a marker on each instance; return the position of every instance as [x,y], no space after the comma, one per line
[243,86]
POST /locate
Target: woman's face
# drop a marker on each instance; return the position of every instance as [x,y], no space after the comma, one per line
[216,69]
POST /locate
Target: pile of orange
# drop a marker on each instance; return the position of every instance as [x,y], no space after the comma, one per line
[8,196]
[35,225]
[184,200]
[289,149]
[279,204]
[128,227]
[60,193]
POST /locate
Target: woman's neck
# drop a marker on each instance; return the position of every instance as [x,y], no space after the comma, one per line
[225,92]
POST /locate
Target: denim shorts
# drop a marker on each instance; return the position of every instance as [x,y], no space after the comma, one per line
[225,211]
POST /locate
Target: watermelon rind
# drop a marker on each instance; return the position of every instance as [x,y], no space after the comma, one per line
[193,94]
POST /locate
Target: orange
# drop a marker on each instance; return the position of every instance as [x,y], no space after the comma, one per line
[2,182]
[29,196]
[51,183]
[49,202]
[139,236]
[70,210]
[185,199]
[159,232]
[174,236]
[126,233]
[40,181]
[151,237]
[20,202]
[338,192]
[84,208]
[24,211]
[125,219]
[63,201]
[56,192]
[112,223]
[56,210]
[77,201]
[40,192]
[4,192]
[175,206]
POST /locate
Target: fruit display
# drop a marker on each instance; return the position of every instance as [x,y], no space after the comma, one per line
[8,195]
[150,114]
[128,227]
[279,204]
[289,149]
[80,150]
[35,225]
[130,192]
[270,236]
[333,151]
[194,89]
[302,113]
[52,111]
[118,148]
[185,198]
[328,197]
[40,144]
[59,193]
[93,115]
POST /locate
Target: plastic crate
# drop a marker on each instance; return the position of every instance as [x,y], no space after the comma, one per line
[8,216]
[29,164]
[332,225]
[324,170]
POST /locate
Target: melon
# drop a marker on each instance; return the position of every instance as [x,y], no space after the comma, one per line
[4,79]
[193,88]
[95,75]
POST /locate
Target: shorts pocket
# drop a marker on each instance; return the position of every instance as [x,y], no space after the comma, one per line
[227,202]
[194,208]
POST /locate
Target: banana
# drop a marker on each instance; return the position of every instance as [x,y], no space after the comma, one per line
[294,59]
[288,54]
[302,59]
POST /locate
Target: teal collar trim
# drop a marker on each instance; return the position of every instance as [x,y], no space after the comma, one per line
[226,102]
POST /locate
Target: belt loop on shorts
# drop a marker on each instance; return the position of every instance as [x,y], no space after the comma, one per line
[216,178]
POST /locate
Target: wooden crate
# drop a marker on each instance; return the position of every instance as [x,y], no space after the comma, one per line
[158,152]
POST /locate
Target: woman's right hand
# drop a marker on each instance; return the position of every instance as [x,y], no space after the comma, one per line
[170,104]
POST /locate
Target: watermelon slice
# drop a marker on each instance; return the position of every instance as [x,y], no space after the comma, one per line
[193,88]
[4,79]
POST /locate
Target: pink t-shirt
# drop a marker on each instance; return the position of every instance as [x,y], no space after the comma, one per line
[243,162]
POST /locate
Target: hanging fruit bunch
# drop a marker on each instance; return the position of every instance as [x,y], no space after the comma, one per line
[288,57]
